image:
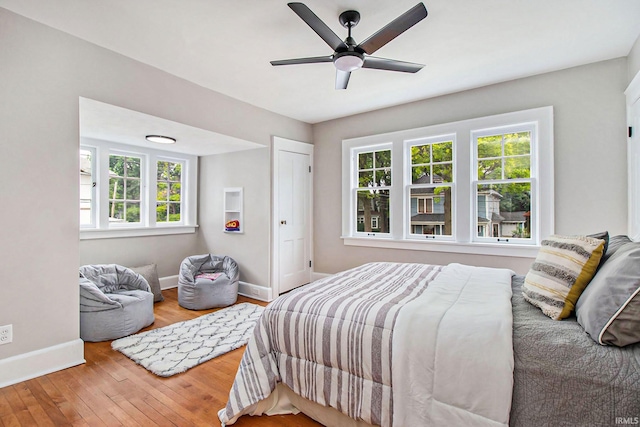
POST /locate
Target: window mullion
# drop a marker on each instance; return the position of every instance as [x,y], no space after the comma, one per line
[151,190]
[103,188]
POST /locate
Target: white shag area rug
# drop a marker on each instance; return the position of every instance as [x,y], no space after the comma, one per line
[175,348]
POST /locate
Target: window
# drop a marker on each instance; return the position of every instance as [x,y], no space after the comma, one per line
[372,190]
[430,186]
[134,191]
[504,181]
[124,189]
[87,186]
[480,186]
[169,194]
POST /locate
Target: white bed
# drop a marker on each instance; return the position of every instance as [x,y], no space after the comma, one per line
[386,344]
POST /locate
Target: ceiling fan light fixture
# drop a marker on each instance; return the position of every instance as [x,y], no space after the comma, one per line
[160,139]
[348,61]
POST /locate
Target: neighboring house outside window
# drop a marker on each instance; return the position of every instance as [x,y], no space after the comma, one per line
[371,192]
[475,186]
[504,180]
[432,176]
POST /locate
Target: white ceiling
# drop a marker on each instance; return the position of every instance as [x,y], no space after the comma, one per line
[227,45]
[110,123]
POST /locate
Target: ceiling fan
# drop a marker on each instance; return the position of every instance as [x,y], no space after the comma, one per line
[349,56]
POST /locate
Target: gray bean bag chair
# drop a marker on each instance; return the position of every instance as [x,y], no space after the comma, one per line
[114,302]
[208,281]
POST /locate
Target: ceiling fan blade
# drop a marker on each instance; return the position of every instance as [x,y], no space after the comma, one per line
[342,79]
[391,65]
[393,29]
[310,60]
[317,25]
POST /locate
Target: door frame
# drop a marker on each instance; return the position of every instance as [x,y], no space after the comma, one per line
[632,94]
[279,144]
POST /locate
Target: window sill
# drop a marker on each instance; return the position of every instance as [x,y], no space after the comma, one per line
[495,249]
[116,233]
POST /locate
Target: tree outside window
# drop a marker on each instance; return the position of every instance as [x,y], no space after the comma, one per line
[169,191]
[373,191]
[124,189]
[430,189]
[504,184]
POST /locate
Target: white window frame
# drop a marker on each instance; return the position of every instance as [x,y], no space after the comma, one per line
[154,201]
[94,203]
[407,165]
[465,227]
[353,184]
[143,185]
[531,127]
[148,226]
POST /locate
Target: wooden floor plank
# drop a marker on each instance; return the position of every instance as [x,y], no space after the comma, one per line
[57,398]
[5,408]
[112,390]
[18,408]
[72,402]
[9,420]
[34,407]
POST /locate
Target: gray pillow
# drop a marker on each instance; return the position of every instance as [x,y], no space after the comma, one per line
[609,308]
[615,243]
[602,236]
[150,273]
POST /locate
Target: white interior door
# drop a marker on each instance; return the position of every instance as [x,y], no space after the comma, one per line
[633,153]
[293,219]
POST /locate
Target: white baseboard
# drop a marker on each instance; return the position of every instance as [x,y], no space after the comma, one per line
[254,291]
[168,282]
[246,289]
[41,362]
[317,276]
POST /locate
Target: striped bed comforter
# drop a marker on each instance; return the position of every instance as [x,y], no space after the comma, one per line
[331,342]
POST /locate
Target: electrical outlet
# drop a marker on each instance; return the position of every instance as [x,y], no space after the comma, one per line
[6,334]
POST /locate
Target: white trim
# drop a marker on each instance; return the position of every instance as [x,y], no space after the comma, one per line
[36,363]
[464,224]
[317,275]
[248,290]
[148,178]
[282,144]
[632,91]
[136,232]
[168,282]
[633,154]
[258,292]
[508,250]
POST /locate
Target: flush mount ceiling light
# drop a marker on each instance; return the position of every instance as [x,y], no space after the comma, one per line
[159,139]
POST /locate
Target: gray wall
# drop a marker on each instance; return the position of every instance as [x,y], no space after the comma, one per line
[43,73]
[250,170]
[590,157]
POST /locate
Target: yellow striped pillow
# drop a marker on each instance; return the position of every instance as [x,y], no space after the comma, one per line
[563,268]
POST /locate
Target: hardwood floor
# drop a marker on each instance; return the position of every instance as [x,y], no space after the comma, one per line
[112,390]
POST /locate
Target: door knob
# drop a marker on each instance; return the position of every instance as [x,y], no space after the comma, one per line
[283,222]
